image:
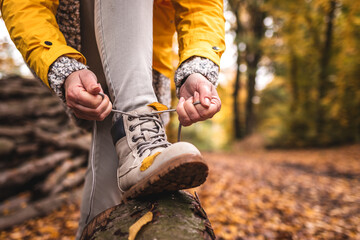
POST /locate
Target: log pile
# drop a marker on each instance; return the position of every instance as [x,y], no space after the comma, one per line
[42,153]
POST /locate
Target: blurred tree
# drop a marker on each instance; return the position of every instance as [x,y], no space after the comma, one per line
[249,31]
[235,8]
[7,63]
[326,53]
[315,50]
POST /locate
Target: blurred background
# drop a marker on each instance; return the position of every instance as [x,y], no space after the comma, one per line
[284,150]
[290,73]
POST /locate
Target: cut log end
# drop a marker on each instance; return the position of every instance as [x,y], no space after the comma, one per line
[174,214]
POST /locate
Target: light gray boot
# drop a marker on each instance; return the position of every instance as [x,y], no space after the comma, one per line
[148,163]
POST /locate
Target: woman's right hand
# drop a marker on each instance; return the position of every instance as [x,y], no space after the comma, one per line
[82,96]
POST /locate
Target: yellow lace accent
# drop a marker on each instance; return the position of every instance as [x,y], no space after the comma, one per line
[158,106]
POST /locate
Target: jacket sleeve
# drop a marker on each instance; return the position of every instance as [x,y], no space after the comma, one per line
[200,26]
[33,28]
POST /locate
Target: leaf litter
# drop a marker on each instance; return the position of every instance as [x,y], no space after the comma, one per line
[261,194]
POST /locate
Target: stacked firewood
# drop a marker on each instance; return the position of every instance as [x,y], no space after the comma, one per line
[42,153]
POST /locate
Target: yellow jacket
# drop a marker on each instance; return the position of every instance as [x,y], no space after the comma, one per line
[200,26]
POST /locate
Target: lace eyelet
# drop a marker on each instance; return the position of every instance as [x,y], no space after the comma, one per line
[130,118]
[131,128]
[133,139]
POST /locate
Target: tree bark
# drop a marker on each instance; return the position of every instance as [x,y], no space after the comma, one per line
[176,215]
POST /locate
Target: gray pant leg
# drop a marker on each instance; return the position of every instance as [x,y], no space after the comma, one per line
[100,190]
[124,35]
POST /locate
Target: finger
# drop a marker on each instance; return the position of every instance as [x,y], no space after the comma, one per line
[182,115]
[94,113]
[88,100]
[214,108]
[79,114]
[205,91]
[203,112]
[105,113]
[85,116]
[89,81]
[191,111]
[216,101]
[196,97]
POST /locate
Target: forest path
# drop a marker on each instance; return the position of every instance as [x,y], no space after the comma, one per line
[284,194]
[259,194]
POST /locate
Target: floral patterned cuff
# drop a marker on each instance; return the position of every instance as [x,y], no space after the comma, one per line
[196,64]
[59,71]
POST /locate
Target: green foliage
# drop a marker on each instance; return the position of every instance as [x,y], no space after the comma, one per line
[316,57]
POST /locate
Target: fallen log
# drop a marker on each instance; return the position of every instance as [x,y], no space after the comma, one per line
[31,169]
[38,209]
[57,176]
[15,131]
[18,91]
[14,204]
[18,109]
[6,146]
[65,140]
[71,181]
[176,215]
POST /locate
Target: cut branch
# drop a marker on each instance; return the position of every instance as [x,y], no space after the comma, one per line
[59,174]
[72,180]
[27,171]
[38,209]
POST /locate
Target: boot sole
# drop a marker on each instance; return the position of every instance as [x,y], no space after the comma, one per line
[186,171]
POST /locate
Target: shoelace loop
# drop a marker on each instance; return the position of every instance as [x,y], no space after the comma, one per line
[158,136]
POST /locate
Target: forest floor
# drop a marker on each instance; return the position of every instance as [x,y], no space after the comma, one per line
[253,193]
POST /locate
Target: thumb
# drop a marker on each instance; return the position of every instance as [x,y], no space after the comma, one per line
[89,81]
[205,94]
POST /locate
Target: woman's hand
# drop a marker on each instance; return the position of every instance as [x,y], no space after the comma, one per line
[82,96]
[197,89]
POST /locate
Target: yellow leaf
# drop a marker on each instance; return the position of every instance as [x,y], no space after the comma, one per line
[135,228]
[52,231]
[148,161]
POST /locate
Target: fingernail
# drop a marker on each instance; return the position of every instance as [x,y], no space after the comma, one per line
[182,99]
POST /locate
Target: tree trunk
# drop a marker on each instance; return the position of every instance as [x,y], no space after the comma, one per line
[253,56]
[324,68]
[249,118]
[235,5]
[176,215]
[294,81]
[236,105]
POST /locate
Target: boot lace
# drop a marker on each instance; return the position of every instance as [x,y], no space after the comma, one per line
[156,133]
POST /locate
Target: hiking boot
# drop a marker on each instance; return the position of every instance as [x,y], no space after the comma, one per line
[148,163]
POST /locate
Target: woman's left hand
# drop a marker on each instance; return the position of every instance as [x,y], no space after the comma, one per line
[197,89]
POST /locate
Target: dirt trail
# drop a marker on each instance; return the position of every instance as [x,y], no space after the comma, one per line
[258,194]
[284,194]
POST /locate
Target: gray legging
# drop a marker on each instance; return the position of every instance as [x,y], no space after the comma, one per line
[117,42]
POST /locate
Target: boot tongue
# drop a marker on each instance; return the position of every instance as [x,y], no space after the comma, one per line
[147,124]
